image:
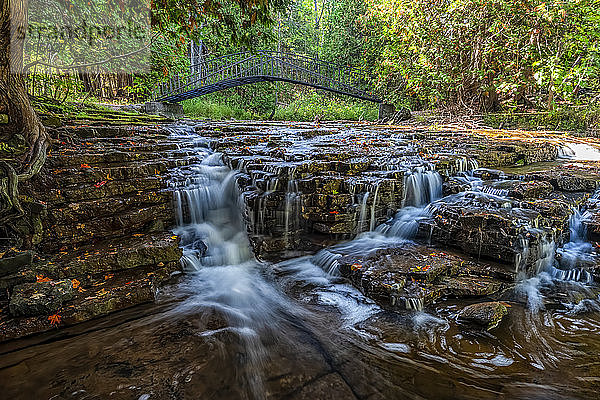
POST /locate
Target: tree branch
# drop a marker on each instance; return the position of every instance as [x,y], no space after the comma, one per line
[77,66]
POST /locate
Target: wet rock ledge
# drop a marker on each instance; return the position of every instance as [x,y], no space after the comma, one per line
[100,235]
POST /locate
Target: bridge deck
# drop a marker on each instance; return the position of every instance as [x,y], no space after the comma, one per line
[245,68]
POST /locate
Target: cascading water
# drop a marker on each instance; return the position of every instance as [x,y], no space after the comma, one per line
[421,186]
[375,198]
[225,277]
[207,208]
[579,152]
[576,254]
[293,205]
[362,214]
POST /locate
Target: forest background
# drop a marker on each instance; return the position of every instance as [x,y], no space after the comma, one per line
[525,62]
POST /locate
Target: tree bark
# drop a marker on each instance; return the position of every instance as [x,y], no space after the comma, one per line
[21,121]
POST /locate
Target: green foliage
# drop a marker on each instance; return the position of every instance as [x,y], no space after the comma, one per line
[233,19]
[483,53]
[325,107]
[203,108]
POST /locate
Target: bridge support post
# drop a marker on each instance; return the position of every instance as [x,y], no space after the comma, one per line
[386,111]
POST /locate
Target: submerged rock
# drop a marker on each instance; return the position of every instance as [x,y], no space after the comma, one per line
[487,315]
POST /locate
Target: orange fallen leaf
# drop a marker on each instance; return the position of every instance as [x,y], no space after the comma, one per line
[54,319]
[42,278]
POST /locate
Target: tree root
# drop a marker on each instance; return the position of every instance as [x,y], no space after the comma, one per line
[9,193]
[11,208]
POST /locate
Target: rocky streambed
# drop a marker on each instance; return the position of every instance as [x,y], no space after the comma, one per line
[328,261]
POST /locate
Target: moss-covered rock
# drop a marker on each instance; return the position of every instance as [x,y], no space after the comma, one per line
[488,315]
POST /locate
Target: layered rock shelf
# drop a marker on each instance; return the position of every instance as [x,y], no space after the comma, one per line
[346,181]
[101,231]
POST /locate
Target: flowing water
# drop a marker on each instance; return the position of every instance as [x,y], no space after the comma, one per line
[237,328]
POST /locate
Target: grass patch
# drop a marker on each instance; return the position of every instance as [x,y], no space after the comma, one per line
[327,108]
[201,108]
[301,106]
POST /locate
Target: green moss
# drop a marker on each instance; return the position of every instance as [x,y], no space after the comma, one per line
[52,113]
[499,312]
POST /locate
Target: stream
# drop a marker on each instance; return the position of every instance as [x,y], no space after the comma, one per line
[236,327]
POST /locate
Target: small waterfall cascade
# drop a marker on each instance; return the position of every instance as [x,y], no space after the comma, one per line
[574,255]
[422,186]
[293,206]
[579,152]
[224,275]
[464,165]
[207,205]
[362,213]
[494,191]
[328,261]
[375,198]
[544,254]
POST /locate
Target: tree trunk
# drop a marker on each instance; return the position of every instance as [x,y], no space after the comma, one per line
[25,138]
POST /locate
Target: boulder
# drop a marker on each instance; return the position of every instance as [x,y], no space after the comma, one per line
[497,228]
[487,315]
[568,179]
[414,277]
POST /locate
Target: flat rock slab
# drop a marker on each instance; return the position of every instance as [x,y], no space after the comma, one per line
[38,298]
[414,277]
[11,264]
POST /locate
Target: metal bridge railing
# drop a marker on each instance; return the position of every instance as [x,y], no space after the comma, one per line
[239,68]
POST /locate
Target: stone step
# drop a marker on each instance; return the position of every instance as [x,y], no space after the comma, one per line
[103,189]
[84,211]
[76,158]
[131,132]
[151,218]
[113,255]
[66,177]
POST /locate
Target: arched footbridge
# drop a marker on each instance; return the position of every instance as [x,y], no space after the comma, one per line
[215,74]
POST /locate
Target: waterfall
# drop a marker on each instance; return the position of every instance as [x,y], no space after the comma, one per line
[293,206]
[579,152]
[327,260]
[373,219]
[421,187]
[362,214]
[576,254]
[224,276]
[464,164]
[209,218]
